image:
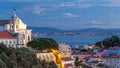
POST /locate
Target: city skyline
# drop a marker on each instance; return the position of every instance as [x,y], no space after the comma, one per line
[63,14]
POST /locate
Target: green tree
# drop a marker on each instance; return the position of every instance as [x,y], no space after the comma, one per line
[109,42]
[77,62]
[99,44]
[52,65]
[20,58]
[43,43]
[2,64]
[11,64]
[3,47]
[83,50]
[115,40]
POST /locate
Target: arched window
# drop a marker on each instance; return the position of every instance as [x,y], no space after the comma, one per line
[47,58]
[16,26]
[12,27]
[14,42]
[10,42]
[28,38]
[51,58]
[40,58]
[44,58]
[6,42]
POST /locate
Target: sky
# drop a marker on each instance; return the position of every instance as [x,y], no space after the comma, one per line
[64,14]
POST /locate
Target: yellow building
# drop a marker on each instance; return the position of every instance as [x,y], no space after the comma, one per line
[48,56]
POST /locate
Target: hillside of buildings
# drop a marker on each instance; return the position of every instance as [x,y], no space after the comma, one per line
[21,58]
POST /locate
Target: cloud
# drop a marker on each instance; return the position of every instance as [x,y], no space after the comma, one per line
[21,0]
[90,3]
[114,3]
[36,9]
[67,5]
[94,22]
[76,5]
[105,24]
[70,15]
[85,5]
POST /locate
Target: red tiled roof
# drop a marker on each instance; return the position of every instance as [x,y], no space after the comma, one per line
[113,48]
[91,52]
[6,34]
[68,65]
[76,48]
[67,59]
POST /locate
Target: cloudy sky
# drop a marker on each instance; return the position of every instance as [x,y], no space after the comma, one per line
[64,14]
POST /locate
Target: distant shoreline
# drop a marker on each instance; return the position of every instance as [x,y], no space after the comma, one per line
[76,40]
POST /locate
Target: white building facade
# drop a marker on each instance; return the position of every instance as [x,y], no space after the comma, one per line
[113,62]
[19,29]
[65,50]
[9,42]
[8,39]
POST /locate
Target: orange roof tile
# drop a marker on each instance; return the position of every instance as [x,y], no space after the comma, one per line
[113,48]
[6,34]
[67,59]
[68,65]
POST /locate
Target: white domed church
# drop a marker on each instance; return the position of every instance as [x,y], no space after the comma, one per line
[16,33]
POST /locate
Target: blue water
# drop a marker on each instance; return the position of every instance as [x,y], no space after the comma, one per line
[76,40]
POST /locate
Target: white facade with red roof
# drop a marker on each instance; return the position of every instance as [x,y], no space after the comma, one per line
[15,29]
[8,39]
[68,62]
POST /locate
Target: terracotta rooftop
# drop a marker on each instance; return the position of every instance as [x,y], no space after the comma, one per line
[113,48]
[3,22]
[91,52]
[67,59]
[68,65]
[81,53]
[6,34]
[76,48]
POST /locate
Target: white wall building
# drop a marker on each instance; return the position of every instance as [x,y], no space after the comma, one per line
[8,39]
[17,28]
[65,50]
[68,62]
[112,61]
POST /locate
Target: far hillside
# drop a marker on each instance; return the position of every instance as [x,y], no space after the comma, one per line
[96,31]
[49,29]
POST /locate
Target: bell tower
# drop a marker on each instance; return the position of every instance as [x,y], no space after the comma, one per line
[17,26]
[14,21]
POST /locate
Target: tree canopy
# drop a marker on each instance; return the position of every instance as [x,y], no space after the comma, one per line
[43,43]
[109,42]
[21,58]
[77,62]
